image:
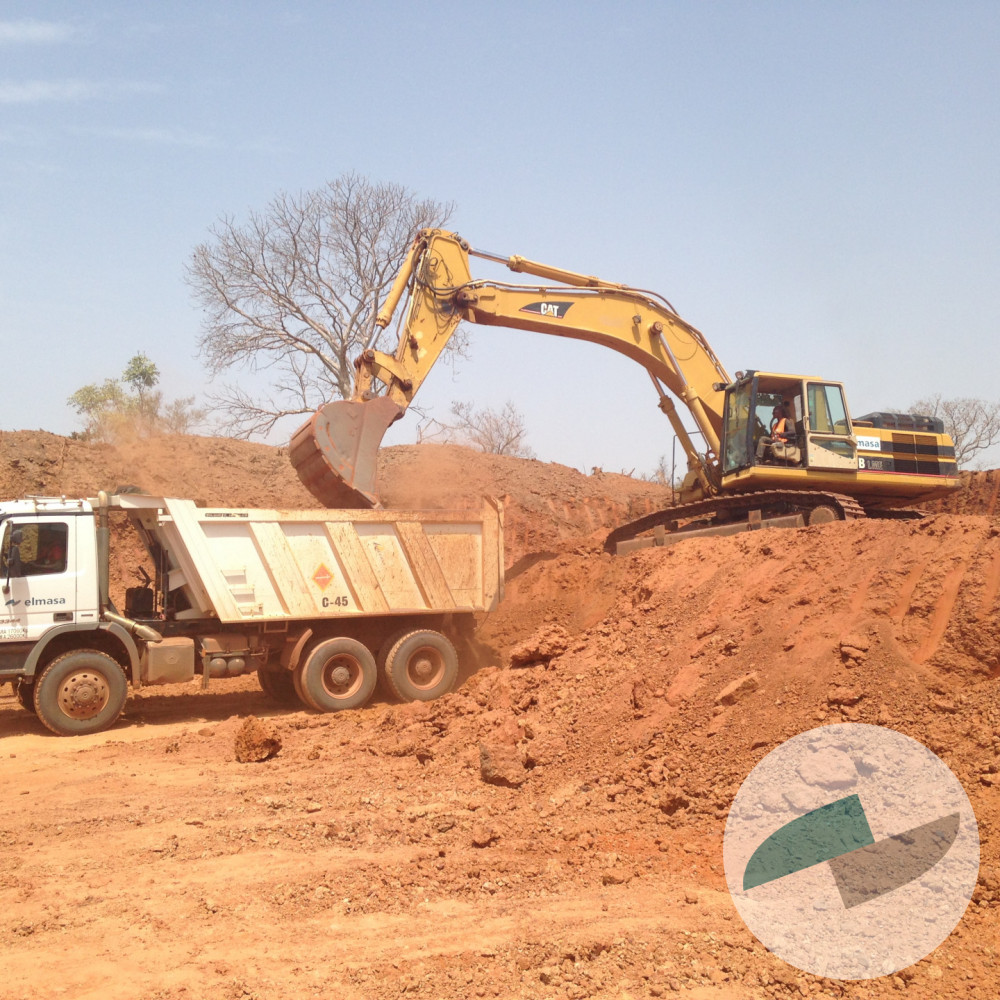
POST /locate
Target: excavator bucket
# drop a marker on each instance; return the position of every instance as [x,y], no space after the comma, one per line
[335,452]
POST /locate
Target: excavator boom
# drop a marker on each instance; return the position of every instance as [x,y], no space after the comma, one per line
[335,452]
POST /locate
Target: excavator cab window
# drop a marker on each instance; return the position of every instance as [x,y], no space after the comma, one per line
[827,412]
[738,428]
[830,444]
[749,417]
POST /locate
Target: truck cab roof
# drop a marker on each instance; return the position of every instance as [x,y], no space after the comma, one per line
[44,505]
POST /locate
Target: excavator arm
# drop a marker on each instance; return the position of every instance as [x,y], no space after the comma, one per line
[335,452]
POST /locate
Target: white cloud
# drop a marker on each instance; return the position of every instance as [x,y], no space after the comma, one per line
[38,91]
[155,136]
[47,91]
[34,32]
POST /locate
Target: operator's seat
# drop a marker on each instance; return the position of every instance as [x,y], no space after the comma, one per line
[786,453]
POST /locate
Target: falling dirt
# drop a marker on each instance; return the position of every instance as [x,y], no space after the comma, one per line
[549,829]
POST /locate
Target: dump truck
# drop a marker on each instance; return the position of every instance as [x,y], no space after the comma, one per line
[324,605]
[828,466]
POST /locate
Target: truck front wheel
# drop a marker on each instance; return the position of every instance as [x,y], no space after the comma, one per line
[80,692]
[338,673]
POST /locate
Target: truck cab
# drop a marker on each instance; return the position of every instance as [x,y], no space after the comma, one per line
[48,562]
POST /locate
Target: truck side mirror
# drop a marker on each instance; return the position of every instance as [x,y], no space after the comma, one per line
[11,557]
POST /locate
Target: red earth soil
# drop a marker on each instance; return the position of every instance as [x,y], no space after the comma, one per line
[552,828]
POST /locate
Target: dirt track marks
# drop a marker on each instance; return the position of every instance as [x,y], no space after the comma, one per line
[991,587]
[941,614]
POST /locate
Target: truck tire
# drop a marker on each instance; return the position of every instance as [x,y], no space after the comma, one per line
[279,686]
[422,666]
[80,692]
[299,691]
[384,687]
[338,674]
[24,691]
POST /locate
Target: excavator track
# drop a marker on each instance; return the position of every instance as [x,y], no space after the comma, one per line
[737,512]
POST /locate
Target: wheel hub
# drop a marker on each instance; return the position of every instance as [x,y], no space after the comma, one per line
[423,668]
[84,694]
[340,675]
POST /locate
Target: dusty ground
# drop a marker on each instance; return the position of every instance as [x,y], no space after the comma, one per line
[548,830]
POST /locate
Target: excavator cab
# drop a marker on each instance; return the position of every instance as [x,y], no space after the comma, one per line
[820,432]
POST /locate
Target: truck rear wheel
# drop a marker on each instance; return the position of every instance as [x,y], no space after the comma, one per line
[422,666]
[384,687]
[338,674]
[279,686]
[80,692]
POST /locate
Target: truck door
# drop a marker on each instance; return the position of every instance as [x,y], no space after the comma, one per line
[830,441]
[37,566]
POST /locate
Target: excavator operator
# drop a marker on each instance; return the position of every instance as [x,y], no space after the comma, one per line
[782,431]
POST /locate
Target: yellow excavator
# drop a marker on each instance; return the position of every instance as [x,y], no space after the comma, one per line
[825,465]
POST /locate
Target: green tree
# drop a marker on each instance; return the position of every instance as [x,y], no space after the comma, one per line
[141,374]
[131,403]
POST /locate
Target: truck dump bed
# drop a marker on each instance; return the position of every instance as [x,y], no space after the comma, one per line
[238,564]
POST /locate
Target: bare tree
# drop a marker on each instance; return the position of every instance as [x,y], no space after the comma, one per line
[295,290]
[974,424]
[485,430]
[659,475]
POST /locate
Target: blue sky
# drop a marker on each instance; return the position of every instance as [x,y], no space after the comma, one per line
[815,186]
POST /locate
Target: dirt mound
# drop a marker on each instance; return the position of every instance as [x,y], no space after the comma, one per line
[255,741]
[215,471]
[979,494]
[545,503]
[549,829]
